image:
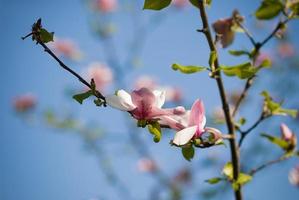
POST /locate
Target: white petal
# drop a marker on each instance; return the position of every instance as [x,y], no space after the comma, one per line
[184,136]
[121,100]
[160,98]
[203,123]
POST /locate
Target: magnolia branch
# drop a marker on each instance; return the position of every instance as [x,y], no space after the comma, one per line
[36,35]
[257,48]
[262,117]
[228,118]
[267,164]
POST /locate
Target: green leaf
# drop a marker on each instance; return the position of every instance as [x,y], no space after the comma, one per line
[243,71]
[212,59]
[45,36]
[277,141]
[274,108]
[156,4]
[214,180]
[228,170]
[239,52]
[266,63]
[155,129]
[188,152]
[188,69]
[81,97]
[269,9]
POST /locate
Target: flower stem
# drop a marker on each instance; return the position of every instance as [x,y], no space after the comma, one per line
[228,118]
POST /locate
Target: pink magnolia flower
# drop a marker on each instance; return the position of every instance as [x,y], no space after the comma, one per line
[67,48]
[105,5]
[24,103]
[294,176]
[101,74]
[191,125]
[180,3]
[142,104]
[146,165]
[288,136]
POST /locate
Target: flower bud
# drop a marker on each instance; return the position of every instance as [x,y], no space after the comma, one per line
[294,176]
[288,136]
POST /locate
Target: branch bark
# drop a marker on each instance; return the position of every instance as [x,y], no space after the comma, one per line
[228,118]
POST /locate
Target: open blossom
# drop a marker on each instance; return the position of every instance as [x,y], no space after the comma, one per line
[225,28]
[142,104]
[67,48]
[24,103]
[105,5]
[191,125]
[146,165]
[294,176]
[101,74]
[288,136]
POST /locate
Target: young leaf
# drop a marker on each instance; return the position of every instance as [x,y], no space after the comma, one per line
[188,152]
[269,9]
[266,63]
[156,4]
[243,71]
[277,141]
[45,36]
[155,129]
[228,170]
[239,52]
[81,97]
[274,108]
[188,69]
[214,180]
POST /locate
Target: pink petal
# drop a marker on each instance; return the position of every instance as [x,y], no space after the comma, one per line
[144,99]
[287,134]
[197,115]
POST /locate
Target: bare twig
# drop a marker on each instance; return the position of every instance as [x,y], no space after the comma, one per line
[269,163]
[228,118]
[262,117]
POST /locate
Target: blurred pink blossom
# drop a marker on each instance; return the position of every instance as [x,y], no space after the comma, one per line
[180,3]
[294,176]
[105,5]
[146,82]
[286,50]
[261,58]
[67,48]
[101,73]
[24,103]
[146,165]
[172,93]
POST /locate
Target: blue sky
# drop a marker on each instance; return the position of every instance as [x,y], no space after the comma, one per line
[38,162]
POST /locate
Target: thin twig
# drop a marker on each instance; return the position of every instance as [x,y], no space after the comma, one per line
[247,33]
[228,118]
[269,163]
[262,117]
[257,48]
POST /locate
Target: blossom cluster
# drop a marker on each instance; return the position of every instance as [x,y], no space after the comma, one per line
[145,106]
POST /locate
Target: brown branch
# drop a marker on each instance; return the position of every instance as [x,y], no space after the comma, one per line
[36,35]
[262,117]
[228,118]
[257,48]
[267,164]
